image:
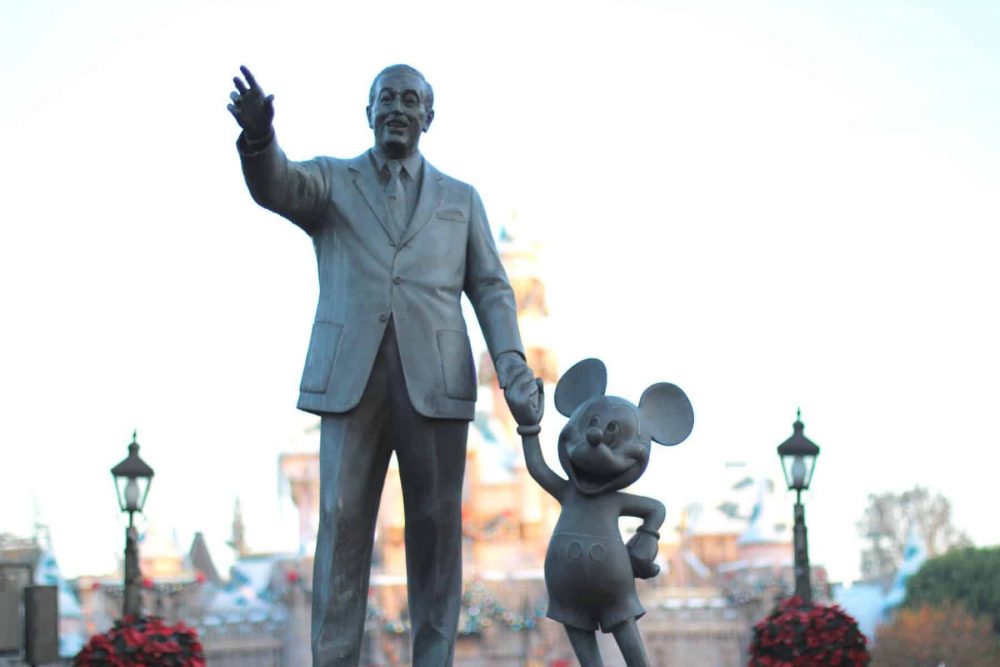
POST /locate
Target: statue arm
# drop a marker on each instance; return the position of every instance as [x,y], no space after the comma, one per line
[642,546]
[492,297]
[487,286]
[526,399]
[537,467]
[296,190]
[651,511]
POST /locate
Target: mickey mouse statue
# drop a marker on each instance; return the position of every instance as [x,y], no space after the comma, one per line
[589,572]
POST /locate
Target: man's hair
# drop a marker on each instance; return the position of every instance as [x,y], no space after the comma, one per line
[403,69]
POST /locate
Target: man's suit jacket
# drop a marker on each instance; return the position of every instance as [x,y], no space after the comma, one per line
[366,276]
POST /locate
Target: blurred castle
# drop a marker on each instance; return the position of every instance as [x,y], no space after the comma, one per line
[722,566]
[723,562]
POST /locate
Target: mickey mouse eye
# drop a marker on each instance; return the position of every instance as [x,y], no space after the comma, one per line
[593,421]
[612,427]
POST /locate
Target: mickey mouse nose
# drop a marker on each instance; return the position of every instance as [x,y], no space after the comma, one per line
[595,436]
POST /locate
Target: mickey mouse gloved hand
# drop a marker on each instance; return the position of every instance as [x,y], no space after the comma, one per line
[642,548]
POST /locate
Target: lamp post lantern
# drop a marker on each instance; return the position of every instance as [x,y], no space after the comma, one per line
[798,460]
[132,477]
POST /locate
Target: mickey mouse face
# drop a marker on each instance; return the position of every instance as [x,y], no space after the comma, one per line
[606,444]
[602,447]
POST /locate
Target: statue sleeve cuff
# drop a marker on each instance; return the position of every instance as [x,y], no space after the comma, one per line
[529,430]
[252,146]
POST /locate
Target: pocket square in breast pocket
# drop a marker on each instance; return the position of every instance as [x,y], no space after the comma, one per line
[452,214]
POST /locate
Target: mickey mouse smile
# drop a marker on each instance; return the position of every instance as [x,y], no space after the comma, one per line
[596,465]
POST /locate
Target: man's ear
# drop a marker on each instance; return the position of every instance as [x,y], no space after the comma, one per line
[430,117]
[371,121]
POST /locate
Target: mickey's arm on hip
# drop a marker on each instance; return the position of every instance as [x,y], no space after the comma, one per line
[642,547]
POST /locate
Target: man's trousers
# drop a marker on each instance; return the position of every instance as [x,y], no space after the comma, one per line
[355,448]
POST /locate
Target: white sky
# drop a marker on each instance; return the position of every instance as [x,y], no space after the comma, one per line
[789,205]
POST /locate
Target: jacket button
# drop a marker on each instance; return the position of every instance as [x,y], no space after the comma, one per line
[383,317]
[397,280]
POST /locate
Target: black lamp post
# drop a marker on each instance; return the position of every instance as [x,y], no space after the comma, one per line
[132,478]
[798,459]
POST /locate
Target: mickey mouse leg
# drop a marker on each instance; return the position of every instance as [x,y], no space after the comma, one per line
[584,644]
[630,643]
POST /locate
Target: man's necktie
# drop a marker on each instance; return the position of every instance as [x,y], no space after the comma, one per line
[396,198]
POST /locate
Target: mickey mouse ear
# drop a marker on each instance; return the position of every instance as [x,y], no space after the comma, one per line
[666,411]
[585,380]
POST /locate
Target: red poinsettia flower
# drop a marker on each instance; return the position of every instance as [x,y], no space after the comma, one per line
[796,634]
[143,642]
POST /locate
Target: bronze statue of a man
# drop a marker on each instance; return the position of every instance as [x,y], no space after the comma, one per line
[389,366]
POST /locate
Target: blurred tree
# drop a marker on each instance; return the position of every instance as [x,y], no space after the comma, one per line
[886,523]
[931,636]
[970,577]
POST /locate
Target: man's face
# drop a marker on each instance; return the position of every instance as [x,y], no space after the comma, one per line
[398,114]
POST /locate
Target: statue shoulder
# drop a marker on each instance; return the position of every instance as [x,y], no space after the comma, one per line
[430,171]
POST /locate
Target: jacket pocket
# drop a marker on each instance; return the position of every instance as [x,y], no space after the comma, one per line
[456,365]
[319,360]
[451,214]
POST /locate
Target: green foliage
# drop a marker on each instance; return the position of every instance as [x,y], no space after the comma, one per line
[933,636]
[970,577]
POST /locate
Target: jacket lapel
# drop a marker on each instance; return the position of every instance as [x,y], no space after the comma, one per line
[366,181]
[431,192]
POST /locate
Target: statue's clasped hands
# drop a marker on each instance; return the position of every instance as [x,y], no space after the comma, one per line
[523,391]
